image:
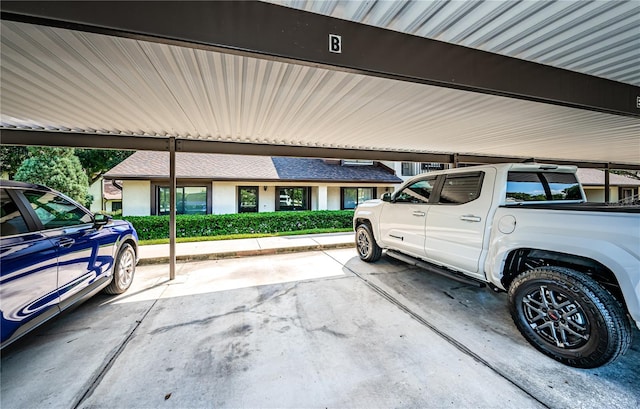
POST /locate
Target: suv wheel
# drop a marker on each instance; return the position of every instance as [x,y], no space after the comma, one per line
[123,270]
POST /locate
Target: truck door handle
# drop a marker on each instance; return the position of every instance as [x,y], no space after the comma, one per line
[418,213]
[470,218]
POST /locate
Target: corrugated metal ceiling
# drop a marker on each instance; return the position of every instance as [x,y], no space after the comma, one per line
[600,38]
[63,80]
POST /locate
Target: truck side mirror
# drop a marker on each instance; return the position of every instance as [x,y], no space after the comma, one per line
[386,197]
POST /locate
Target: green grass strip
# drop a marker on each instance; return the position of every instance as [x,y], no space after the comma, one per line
[243,236]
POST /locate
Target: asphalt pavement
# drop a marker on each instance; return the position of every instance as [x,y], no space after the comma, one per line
[302,329]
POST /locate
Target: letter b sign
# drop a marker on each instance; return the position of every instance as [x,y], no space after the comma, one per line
[335,43]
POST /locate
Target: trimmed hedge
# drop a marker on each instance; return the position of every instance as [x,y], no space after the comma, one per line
[157,227]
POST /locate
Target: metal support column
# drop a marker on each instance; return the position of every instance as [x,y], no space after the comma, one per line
[455,162]
[172,207]
[607,192]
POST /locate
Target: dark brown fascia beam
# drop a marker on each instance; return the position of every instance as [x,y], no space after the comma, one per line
[280,33]
[158,143]
[82,140]
[236,148]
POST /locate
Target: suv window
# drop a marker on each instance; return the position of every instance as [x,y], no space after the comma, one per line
[11,221]
[417,192]
[461,188]
[55,211]
[542,186]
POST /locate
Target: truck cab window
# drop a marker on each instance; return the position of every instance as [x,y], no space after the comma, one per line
[542,186]
[459,189]
[417,192]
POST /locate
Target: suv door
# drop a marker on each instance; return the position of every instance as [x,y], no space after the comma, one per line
[456,226]
[29,277]
[71,228]
[402,221]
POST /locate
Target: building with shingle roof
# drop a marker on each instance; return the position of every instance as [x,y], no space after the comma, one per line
[220,183]
[620,187]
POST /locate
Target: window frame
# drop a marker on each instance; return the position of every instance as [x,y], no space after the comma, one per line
[22,211]
[442,181]
[40,226]
[257,190]
[434,190]
[407,169]
[306,195]
[155,194]
[546,186]
[342,195]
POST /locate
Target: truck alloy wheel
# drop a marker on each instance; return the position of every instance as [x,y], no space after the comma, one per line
[368,249]
[569,317]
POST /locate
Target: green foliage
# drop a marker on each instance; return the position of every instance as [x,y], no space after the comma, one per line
[98,161]
[157,227]
[11,157]
[57,168]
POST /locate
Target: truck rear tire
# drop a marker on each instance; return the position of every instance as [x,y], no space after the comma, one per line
[368,249]
[568,316]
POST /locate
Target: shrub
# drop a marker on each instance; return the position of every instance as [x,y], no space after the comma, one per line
[157,227]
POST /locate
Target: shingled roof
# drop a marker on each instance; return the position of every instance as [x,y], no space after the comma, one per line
[320,170]
[155,165]
[595,177]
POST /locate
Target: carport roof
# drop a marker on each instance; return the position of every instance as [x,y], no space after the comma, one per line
[258,78]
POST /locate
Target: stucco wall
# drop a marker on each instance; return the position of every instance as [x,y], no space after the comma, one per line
[136,198]
[267,199]
[224,198]
[596,194]
[333,198]
[95,190]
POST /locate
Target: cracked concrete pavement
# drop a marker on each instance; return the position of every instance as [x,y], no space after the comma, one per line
[314,329]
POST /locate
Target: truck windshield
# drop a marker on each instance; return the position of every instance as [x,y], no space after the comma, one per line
[542,186]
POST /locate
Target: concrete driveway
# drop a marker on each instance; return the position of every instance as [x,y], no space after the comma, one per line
[315,329]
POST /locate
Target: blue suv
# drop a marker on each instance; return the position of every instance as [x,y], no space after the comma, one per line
[54,254]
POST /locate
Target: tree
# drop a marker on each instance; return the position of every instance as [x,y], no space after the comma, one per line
[57,168]
[11,157]
[97,161]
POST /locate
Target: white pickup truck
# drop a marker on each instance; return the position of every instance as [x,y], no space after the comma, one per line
[571,268]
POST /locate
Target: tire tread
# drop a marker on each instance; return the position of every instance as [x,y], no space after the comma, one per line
[610,309]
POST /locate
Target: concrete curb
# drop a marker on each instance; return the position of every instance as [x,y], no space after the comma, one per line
[244,253]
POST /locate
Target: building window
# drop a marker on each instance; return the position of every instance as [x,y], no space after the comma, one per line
[408,169]
[189,200]
[431,166]
[293,198]
[357,162]
[247,199]
[353,196]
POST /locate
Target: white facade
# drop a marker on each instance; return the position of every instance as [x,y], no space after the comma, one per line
[136,198]
[596,194]
[95,190]
[225,197]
